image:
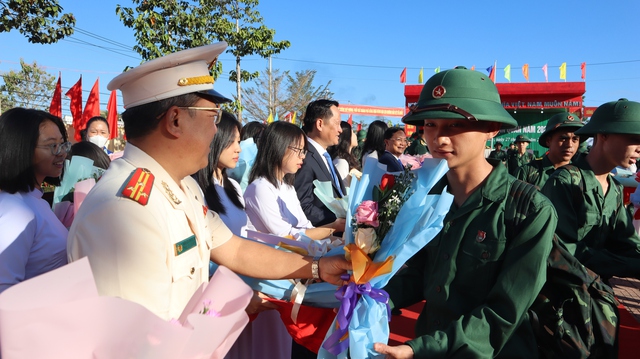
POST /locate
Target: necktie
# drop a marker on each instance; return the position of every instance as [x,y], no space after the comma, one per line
[333,172]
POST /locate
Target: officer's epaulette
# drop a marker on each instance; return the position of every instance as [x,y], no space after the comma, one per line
[139,185]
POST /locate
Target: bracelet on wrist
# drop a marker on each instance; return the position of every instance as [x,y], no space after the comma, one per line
[315,268]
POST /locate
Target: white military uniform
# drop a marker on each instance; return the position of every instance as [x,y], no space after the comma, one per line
[141,252]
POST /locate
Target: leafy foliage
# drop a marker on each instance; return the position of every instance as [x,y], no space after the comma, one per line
[40,21]
[289,93]
[163,27]
[31,87]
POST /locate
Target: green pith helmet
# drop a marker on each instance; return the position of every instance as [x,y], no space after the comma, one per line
[522,138]
[459,94]
[362,134]
[622,117]
[560,120]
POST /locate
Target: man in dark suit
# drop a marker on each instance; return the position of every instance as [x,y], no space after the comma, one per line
[321,123]
[395,143]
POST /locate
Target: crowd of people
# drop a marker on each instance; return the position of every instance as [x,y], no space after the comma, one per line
[167,212]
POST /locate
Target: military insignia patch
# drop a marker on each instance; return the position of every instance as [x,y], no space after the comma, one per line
[480,237]
[139,186]
[184,245]
[172,195]
[438,91]
[570,118]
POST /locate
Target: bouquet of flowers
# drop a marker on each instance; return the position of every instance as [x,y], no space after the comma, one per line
[80,175]
[374,218]
[414,161]
[413,217]
[60,314]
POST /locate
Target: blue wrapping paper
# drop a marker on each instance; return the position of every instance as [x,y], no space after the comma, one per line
[418,222]
[248,152]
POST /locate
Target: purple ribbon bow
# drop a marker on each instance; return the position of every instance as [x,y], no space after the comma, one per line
[348,297]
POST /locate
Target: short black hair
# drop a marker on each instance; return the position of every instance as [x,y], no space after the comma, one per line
[273,146]
[19,133]
[392,131]
[141,120]
[221,141]
[85,132]
[315,110]
[91,151]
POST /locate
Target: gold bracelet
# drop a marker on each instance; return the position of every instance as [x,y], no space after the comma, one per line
[315,268]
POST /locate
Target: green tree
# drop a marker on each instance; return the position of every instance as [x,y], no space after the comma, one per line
[40,21]
[31,87]
[166,26]
[289,94]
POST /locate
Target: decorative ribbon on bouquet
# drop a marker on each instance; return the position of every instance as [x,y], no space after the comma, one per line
[364,269]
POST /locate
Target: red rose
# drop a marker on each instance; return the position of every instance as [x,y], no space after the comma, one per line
[387,182]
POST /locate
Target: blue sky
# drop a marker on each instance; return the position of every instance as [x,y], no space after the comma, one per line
[362,46]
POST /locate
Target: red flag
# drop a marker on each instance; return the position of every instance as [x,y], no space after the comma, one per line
[56,101]
[350,120]
[92,107]
[360,126]
[403,76]
[583,67]
[75,93]
[112,115]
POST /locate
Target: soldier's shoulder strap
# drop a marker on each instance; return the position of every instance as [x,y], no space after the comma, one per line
[139,185]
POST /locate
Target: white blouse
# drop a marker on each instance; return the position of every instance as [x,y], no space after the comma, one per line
[33,241]
[235,218]
[342,166]
[275,210]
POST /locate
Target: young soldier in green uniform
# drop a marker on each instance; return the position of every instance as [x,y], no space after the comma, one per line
[520,156]
[418,146]
[562,142]
[594,225]
[477,276]
[498,153]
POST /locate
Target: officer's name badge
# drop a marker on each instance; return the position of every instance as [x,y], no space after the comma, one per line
[139,186]
[184,245]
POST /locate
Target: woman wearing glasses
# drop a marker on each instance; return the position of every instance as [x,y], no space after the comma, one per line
[32,239]
[270,199]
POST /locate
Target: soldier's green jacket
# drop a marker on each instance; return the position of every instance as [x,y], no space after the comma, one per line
[536,172]
[498,155]
[477,282]
[594,227]
[515,160]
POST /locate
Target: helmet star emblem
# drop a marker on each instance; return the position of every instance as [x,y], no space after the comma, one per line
[438,91]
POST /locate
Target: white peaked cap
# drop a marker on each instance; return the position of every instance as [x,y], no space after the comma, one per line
[176,74]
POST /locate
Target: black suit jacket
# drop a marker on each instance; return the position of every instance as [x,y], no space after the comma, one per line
[391,161]
[313,168]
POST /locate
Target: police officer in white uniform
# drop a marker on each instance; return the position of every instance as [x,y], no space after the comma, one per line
[144,226]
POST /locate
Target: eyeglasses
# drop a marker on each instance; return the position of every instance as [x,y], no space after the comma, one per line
[216,111]
[301,151]
[56,148]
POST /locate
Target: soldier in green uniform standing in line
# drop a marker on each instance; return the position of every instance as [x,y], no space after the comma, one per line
[478,280]
[520,156]
[562,142]
[594,225]
[498,153]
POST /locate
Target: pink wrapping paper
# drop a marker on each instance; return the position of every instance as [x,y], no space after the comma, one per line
[60,315]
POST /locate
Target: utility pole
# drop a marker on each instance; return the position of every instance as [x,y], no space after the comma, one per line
[270,85]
